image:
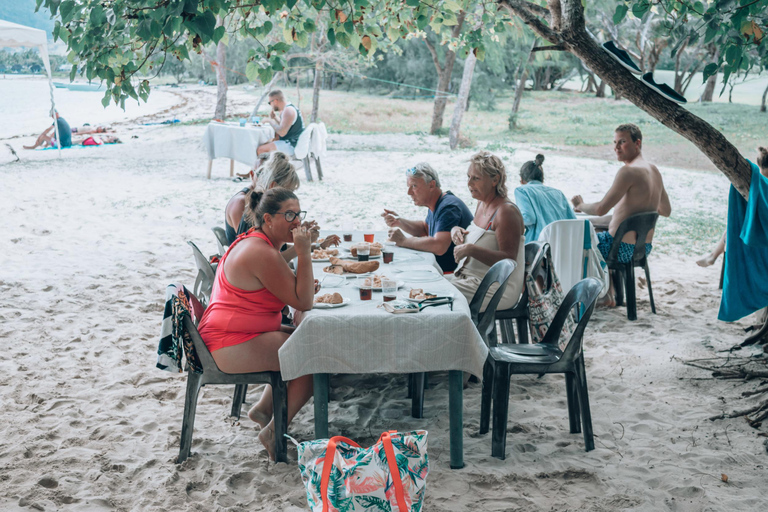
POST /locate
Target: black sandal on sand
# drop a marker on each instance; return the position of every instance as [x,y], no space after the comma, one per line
[663,89]
[622,57]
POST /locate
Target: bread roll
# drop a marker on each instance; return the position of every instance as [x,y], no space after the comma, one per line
[354,267]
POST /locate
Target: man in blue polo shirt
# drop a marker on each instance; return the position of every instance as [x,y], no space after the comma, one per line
[445,212]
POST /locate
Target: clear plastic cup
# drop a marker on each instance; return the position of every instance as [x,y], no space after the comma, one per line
[363,251]
[364,285]
[389,289]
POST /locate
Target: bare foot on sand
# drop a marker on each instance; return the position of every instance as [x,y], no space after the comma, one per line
[267,438]
[707,261]
[609,301]
[259,417]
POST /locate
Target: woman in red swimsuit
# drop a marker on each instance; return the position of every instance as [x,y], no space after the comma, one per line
[241,326]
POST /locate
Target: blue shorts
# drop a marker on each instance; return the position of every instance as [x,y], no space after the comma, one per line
[284,147]
[605,241]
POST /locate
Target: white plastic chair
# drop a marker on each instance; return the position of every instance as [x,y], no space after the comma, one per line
[312,144]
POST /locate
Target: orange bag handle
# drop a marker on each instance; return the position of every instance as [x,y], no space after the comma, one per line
[330,452]
[394,470]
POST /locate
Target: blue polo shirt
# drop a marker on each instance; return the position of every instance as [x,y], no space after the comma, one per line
[449,211]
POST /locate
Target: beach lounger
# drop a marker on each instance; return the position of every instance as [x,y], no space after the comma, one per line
[206,274]
[624,275]
[212,375]
[540,358]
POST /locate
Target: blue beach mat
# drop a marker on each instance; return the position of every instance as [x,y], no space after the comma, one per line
[745,286]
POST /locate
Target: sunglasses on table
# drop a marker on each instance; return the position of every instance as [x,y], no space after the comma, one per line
[291,215]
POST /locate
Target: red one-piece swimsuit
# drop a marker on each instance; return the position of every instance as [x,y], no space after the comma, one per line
[235,316]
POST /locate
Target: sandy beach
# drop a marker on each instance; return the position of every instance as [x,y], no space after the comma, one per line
[87,422]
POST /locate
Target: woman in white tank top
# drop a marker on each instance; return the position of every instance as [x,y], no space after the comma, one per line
[497,232]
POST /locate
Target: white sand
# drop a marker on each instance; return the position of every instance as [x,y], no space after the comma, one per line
[90,241]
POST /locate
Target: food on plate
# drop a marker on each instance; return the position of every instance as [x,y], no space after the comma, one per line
[338,266]
[375,249]
[419,294]
[329,298]
[324,254]
[375,280]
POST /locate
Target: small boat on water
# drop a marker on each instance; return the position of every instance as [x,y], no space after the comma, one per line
[79,86]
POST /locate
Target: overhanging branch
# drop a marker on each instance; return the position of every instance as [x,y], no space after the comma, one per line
[525,11]
[551,48]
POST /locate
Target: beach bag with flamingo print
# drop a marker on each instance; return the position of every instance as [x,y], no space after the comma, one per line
[389,476]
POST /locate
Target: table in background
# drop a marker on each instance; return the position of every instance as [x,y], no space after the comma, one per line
[363,338]
[235,142]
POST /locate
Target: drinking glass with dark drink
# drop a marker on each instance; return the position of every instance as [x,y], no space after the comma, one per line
[363,251]
[388,255]
[389,289]
[364,284]
[347,237]
[347,228]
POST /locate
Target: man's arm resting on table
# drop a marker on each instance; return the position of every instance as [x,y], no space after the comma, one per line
[414,227]
[437,244]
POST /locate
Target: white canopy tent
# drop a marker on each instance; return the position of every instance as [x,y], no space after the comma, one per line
[14,35]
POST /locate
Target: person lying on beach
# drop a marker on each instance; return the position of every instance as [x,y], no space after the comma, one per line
[637,187]
[242,324]
[539,204]
[96,140]
[446,211]
[496,233]
[86,129]
[719,249]
[48,137]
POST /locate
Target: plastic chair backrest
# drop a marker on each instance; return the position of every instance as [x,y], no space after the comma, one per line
[203,354]
[303,145]
[641,224]
[221,239]
[537,265]
[498,273]
[206,276]
[582,296]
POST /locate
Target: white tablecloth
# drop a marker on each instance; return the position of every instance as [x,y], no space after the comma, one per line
[363,338]
[230,141]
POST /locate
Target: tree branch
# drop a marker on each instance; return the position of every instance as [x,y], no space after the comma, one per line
[435,59]
[525,11]
[551,48]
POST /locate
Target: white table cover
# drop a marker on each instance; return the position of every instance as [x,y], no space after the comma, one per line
[363,338]
[235,142]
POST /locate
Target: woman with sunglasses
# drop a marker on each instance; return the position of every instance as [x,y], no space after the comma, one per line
[241,326]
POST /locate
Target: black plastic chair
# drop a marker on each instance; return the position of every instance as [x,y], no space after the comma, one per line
[221,240]
[541,358]
[535,262]
[498,273]
[206,274]
[212,375]
[624,275]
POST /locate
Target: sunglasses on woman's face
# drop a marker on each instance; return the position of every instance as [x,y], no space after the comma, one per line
[290,215]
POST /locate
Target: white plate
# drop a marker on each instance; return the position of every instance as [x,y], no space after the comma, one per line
[441,295]
[325,305]
[419,276]
[400,284]
[332,281]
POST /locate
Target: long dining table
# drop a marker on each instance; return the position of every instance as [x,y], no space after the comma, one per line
[361,337]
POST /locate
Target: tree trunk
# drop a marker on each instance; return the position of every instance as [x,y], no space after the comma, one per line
[267,89]
[443,76]
[574,37]
[762,104]
[518,98]
[709,90]
[461,102]
[221,81]
[600,92]
[316,90]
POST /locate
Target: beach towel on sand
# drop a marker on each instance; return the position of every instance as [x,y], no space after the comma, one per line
[174,338]
[746,259]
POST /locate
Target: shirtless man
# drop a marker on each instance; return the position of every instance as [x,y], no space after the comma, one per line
[637,188]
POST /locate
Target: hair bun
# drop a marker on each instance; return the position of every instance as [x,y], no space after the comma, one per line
[279,155]
[539,159]
[762,149]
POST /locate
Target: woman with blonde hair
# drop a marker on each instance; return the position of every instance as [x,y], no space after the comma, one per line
[278,172]
[495,233]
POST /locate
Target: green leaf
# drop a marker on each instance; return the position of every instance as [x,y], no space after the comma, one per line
[252,71]
[640,8]
[709,70]
[288,35]
[290,3]
[422,21]
[106,99]
[302,39]
[620,14]
[190,5]
[732,55]
[218,33]
[343,39]
[265,75]
[66,11]
[480,53]
[204,25]
[412,3]
[309,26]
[331,36]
